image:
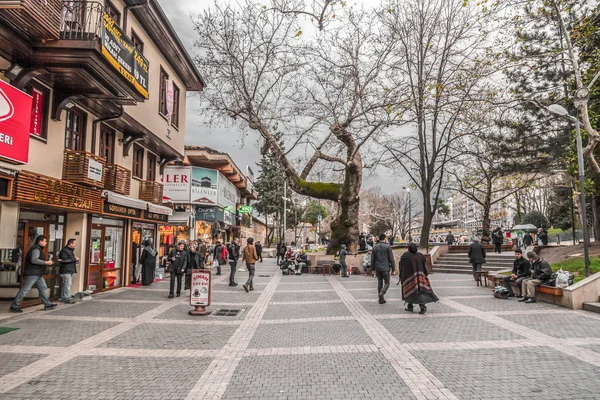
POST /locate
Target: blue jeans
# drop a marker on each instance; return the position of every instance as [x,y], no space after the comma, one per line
[31,281]
[67,279]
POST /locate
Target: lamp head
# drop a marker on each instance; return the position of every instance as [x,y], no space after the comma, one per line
[558,110]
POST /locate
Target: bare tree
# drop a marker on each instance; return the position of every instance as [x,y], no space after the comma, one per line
[390,210]
[324,94]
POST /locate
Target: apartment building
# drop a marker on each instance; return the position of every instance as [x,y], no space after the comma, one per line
[107,83]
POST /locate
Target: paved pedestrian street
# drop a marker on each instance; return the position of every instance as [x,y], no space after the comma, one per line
[302,337]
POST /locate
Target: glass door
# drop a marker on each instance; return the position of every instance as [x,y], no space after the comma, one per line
[113,257]
[96,259]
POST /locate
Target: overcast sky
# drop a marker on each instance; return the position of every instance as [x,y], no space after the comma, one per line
[243,150]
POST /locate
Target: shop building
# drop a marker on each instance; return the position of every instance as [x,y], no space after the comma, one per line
[107,83]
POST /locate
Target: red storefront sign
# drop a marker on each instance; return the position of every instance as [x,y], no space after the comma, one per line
[37,111]
[15,121]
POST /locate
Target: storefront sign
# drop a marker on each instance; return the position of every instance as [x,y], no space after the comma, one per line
[176,184]
[15,121]
[245,209]
[37,112]
[155,217]
[228,194]
[36,188]
[229,218]
[204,186]
[200,288]
[94,170]
[209,214]
[116,209]
[120,51]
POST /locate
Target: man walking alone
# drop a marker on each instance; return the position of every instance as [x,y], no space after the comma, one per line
[382,261]
[234,255]
[68,267]
[250,257]
[476,256]
[179,261]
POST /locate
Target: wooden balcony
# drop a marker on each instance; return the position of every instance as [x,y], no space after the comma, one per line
[151,191]
[35,19]
[118,179]
[83,168]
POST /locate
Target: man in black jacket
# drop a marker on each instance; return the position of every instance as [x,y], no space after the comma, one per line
[68,267]
[540,272]
[521,270]
[497,240]
[234,255]
[258,247]
[476,256]
[179,259]
[34,269]
[382,261]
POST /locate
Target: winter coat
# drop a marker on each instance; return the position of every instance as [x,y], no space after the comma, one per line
[450,238]
[35,261]
[497,237]
[541,270]
[382,257]
[521,267]
[179,261]
[528,239]
[249,254]
[234,252]
[68,261]
[476,253]
[416,288]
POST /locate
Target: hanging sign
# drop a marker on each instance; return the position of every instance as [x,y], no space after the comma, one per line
[200,288]
[37,110]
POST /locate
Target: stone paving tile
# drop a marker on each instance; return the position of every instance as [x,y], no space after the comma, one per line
[450,277]
[176,336]
[237,296]
[284,311]
[303,286]
[397,307]
[372,294]
[493,304]
[107,309]
[559,325]
[13,362]
[445,330]
[471,291]
[139,294]
[114,378]
[304,278]
[38,332]
[593,347]
[180,312]
[226,287]
[305,296]
[328,333]
[526,373]
[317,376]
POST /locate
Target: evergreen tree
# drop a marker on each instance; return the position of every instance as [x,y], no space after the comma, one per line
[269,186]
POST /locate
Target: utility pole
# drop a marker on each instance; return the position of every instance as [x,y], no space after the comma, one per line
[284,208]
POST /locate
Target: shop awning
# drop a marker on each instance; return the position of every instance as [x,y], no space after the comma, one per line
[153,208]
[179,218]
[121,200]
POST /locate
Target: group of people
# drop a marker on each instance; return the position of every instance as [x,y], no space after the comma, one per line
[527,273]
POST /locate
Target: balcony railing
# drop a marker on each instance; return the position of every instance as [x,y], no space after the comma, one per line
[118,179]
[38,20]
[81,20]
[84,168]
[151,191]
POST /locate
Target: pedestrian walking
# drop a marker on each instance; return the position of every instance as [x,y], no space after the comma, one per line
[476,256]
[450,238]
[281,250]
[259,251]
[234,255]
[543,236]
[382,261]
[416,288]
[527,240]
[219,256]
[343,254]
[498,239]
[250,257]
[179,261]
[34,269]
[148,261]
[68,267]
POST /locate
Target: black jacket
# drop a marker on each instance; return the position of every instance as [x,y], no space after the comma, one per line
[194,262]
[234,252]
[382,257]
[476,253]
[521,267]
[68,263]
[258,248]
[541,270]
[528,239]
[217,253]
[35,266]
[497,236]
[450,238]
[179,261]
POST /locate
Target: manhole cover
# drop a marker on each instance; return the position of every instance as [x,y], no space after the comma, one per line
[264,276]
[225,312]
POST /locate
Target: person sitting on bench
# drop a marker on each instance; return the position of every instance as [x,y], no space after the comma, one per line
[521,270]
[301,261]
[367,262]
[540,272]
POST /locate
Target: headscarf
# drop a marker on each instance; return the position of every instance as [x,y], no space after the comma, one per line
[412,247]
[148,247]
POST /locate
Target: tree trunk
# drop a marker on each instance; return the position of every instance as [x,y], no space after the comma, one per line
[427,217]
[485,226]
[595,214]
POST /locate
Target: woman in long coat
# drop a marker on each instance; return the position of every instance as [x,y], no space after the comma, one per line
[148,261]
[416,288]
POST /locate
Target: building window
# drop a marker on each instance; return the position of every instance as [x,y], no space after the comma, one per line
[137,42]
[39,110]
[162,105]
[112,11]
[75,130]
[107,144]
[151,171]
[138,162]
[175,115]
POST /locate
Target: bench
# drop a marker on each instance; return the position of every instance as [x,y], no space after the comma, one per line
[498,280]
[479,275]
[322,266]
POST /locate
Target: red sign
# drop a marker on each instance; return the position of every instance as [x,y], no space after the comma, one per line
[37,110]
[15,121]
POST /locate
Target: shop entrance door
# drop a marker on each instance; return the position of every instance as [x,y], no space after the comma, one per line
[105,269]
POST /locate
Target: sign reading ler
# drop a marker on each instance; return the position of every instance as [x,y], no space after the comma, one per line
[15,120]
[200,288]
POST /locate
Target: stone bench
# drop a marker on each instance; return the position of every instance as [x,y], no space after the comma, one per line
[498,280]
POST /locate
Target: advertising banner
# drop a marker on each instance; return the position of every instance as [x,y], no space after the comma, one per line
[37,111]
[176,184]
[15,121]
[204,186]
[200,288]
[228,194]
[120,51]
[209,214]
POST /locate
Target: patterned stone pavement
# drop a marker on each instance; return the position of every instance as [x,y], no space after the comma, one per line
[302,337]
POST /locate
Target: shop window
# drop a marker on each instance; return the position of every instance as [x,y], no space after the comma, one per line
[175,115]
[151,172]
[6,185]
[162,105]
[112,11]
[39,110]
[137,42]
[75,130]
[138,162]
[107,144]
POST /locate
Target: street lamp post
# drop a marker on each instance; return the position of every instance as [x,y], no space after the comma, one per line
[284,209]
[409,213]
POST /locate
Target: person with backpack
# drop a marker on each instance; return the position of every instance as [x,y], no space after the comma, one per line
[234,255]
[220,256]
[497,240]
